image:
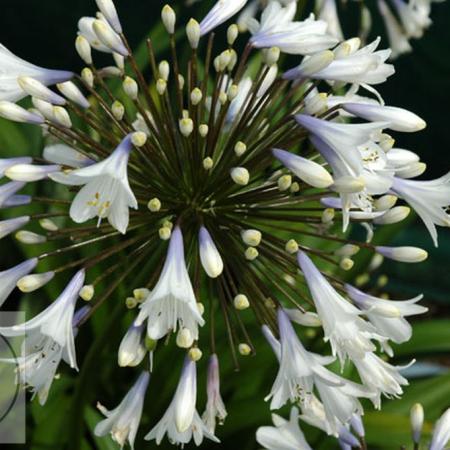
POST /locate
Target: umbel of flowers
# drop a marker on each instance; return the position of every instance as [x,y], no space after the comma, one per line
[224,172]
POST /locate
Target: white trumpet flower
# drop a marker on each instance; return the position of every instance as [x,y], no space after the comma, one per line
[277,28]
[106,192]
[215,408]
[388,316]
[56,320]
[172,301]
[181,421]
[285,435]
[123,422]
[349,335]
[429,199]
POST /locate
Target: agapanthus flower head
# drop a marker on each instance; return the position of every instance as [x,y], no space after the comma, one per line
[198,194]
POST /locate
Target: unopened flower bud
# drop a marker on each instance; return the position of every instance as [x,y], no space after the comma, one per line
[169,19]
[349,184]
[233,91]
[203,130]
[208,163]
[84,49]
[315,63]
[295,187]
[195,354]
[252,238]
[120,62]
[164,70]
[232,34]
[16,113]
[87,292]
[118,110]
[272,55]
[394,215]
[412,171]
[240,148]
[417,418]
[181,82]
[251,254]
[161,86]
[184,338]
[130,88]
[403,254]
[328,215]
[241,302]
[71,91]
[154,205]
[131,302]
[138,138]
[48,225]
[245,349]
[141,294]
[88,76]
[196,96]
[109,37]
[292,246]
[347,250]
[193,33]
[108,9]
[31,283]
[36,89]
[346,264]
[240,175]
[186,127]
[385,202]
[62,117]
[30,238]
[284,182]
[165,233]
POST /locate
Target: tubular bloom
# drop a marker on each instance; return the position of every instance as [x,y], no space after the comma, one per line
[211,177]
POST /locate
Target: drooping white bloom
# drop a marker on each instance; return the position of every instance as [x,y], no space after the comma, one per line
[220,13]
[215,408]
[10,277]
[399,119]
[412,18]
[308,171]
[132,349]
[348,333]
[429,199]
[285,435]
[181,422]
[365,66]
[299,369]
[106,192]
[388,316]
[441,433]
[277,28]
[172,302]
[40,359]
[12,67]
[328,13]
[398,40]
[380,377]
[123,421]
[9,226]
[56,320]
[209,255]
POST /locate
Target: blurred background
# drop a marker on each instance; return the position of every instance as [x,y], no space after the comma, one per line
[43,32]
